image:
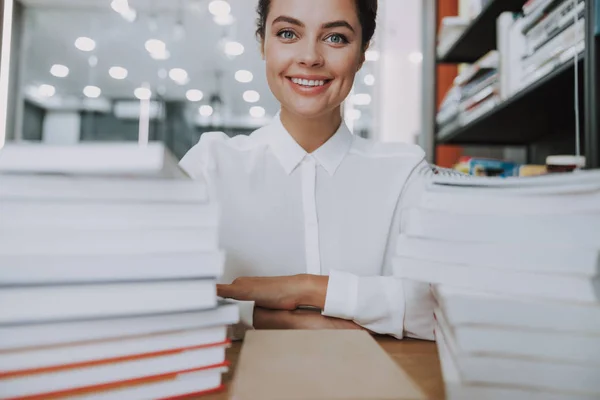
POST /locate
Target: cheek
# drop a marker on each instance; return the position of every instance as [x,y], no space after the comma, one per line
[277,58]
[345,67]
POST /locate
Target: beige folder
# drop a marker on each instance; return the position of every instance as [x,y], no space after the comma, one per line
[318,365]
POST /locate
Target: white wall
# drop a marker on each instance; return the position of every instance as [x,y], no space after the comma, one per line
[61,128]
[398,87]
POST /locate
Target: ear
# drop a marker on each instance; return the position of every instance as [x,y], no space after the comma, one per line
[262,49]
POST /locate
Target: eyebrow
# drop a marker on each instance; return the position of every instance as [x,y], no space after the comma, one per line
[328,25]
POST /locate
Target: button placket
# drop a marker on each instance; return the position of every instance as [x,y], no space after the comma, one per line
[311,223]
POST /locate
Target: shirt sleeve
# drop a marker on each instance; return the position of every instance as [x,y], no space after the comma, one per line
[385,304]
[199,164]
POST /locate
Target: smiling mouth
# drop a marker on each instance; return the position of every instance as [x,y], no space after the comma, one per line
[309,83]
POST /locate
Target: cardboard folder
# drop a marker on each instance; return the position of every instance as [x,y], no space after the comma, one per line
[318,365]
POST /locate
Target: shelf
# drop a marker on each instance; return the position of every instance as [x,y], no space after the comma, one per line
[543,108]
[480,36]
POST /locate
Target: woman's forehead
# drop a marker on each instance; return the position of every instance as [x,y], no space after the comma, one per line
[315,12]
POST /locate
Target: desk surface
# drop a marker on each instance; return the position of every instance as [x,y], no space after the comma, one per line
[418,358]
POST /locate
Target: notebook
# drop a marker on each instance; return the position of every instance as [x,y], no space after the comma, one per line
[318,365]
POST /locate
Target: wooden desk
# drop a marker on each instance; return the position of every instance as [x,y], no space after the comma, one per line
[418,358]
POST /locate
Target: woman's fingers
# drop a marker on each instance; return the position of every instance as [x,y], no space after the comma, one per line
[232,291]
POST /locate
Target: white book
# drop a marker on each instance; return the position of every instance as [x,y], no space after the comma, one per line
[92,215]
[46,303]
[76,355]
[565,40]
[479,110]
[526,373]
[553,183]
[14,337]
[503,24]
[572,230]
[550,286]
[88,241]
[118,158]
[41,269]
[180,385]
[50,383]
[464,307]
[511,202]
[458,390]
[539,344]
[522,257]
[77,188]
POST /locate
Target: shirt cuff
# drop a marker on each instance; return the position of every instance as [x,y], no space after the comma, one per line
[342,295]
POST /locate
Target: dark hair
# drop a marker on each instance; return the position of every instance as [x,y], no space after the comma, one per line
[367,15]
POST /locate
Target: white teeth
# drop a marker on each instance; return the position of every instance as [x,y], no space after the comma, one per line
[306,82]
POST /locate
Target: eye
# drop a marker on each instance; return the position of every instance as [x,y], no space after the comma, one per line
[336,38]
[287,35]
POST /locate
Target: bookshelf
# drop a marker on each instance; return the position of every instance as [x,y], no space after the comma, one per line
[521,120]
[542,110]
[480,36]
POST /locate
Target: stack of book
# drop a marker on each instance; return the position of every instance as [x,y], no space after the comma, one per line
[514,266]
[475,93]
[108,288]
[554,33]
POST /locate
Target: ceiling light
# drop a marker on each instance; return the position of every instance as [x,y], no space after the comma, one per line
[92,92]
[362,99]
[354,114]
[155,46]
[46,90]
[194,95]
[118,72]
[369,80]
[60,71]
[251,96]
[160,56]
[93,61]
[85,44]
[219,8]
[205,111]
[244,76]
[130,15]
[120,6]
[257,112]
[224,20]
[179,75]
[143,93]
[234,49]
[371,55]
[415,57]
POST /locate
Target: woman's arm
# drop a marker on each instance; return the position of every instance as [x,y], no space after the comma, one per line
[298,319]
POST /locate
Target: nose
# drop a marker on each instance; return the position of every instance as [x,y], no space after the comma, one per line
[310,55]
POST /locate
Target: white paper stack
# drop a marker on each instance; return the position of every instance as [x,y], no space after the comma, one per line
[108,288]
[515,268]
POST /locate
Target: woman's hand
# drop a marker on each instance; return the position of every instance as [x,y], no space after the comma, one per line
[278,293]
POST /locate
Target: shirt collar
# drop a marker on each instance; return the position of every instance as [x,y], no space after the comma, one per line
[290,154]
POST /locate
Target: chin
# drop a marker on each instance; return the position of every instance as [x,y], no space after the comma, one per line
[309,110]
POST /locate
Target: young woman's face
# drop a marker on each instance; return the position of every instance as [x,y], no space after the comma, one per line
[313,49]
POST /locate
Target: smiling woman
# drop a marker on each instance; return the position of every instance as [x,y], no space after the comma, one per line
[310,213]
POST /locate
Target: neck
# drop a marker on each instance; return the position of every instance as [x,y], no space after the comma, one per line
[311,133]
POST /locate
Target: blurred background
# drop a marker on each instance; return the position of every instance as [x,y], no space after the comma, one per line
[169,70]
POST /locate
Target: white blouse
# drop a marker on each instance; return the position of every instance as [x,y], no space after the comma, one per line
[336,212]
